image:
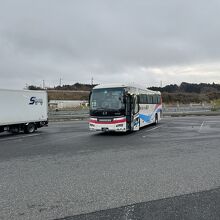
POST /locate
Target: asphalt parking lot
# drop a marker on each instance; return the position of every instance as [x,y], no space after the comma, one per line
[171,171]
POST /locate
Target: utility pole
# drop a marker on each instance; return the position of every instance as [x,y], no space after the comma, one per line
[161,84]
[43,84]
[92,81]
[60,82]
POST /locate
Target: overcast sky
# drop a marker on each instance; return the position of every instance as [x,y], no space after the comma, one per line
[139,41]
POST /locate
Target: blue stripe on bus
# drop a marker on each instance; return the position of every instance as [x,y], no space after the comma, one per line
[147,118]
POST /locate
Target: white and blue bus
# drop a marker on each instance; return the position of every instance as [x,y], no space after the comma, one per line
[121,107]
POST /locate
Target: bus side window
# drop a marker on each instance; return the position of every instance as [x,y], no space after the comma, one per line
[149,99]
[154,99]
[135,105]
[159,99]
[143,99]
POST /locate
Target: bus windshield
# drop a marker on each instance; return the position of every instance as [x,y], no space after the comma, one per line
[107,99]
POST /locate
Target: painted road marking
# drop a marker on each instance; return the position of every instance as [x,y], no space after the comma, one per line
[153,129]
[201,126]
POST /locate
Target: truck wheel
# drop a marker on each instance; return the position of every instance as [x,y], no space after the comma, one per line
[14,129]
[30,128]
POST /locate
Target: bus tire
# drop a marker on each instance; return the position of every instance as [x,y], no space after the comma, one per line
[29,128]
[156,119]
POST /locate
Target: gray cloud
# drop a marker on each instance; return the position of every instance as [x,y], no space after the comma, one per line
[140,41]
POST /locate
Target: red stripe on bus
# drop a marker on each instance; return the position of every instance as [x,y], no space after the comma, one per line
[157,105]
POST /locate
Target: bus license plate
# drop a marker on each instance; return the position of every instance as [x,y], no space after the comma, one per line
[105,120]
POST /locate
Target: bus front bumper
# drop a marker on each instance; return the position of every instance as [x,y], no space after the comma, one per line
[117,124]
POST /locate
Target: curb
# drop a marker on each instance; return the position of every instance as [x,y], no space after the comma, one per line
[184,114]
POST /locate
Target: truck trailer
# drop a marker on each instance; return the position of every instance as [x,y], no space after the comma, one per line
[23,110]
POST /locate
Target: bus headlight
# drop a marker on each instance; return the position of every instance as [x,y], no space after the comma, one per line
[91,125]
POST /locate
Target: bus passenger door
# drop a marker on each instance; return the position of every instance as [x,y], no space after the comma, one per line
[128,101]
[135,125]
[132,112]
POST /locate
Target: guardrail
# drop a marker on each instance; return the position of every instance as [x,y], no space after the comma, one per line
[77,117]
[173,111]
[68,115]
[186,108]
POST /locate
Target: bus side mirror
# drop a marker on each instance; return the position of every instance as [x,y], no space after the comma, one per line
[89,98]
[124,98]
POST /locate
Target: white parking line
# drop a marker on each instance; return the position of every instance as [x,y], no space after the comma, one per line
[201,126]
[19,137]
[153,129]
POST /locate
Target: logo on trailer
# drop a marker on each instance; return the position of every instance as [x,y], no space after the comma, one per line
[36,101]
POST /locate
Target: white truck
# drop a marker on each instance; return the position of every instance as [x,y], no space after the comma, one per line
[23,110]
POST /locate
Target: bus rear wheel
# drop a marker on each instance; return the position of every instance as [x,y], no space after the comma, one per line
[156,119]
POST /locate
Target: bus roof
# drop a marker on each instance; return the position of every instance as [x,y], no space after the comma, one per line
[110,85]
[124,85]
